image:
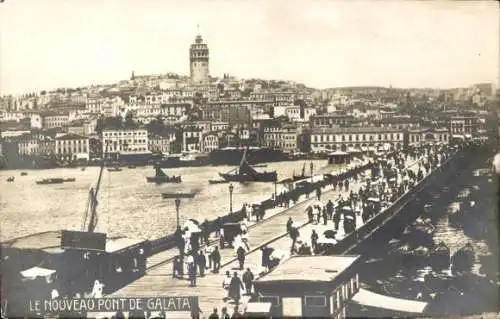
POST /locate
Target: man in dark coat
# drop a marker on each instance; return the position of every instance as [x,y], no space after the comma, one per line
[329,209]
[248,281]
[202,263]
[294,234]
[240,252]
[314,239]
[235,288]
[179,241]
[325,216]
[192,274]
[266,253]
[216,259]
[289,224]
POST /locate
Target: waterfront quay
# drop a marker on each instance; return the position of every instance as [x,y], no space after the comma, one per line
[272,232]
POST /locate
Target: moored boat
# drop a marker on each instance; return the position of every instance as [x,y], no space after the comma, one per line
[24,173]
[50,181]
[177,195]
[246,173]
[69,180]
[132,166]
[217,181]
[161,178]
[10,179]
[115,169]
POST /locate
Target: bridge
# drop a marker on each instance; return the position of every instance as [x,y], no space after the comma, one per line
[272,232]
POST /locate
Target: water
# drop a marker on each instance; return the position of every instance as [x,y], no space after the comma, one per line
[128,206]
[478,228]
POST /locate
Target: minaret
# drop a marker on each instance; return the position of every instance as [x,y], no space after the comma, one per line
[199,60]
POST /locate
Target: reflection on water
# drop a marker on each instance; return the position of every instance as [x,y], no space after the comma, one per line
[128,206]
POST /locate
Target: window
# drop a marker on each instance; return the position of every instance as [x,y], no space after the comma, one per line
[315,301]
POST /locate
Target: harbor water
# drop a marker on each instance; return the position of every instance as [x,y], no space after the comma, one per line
[128,206]
[476,292]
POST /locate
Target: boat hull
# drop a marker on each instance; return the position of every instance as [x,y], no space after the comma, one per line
[177,195]
[254,156]
[259,177]
[163,179]
[175,162]
[218,182]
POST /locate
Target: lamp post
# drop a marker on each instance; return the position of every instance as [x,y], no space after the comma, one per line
[312,167]
[177,205]
[231,188]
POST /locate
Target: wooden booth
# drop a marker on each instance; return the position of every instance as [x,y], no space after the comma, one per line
[310,286]
[339,157]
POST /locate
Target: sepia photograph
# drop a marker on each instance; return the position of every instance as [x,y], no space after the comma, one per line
[249,159]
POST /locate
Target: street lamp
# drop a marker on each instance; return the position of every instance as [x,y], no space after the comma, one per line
[312,167]
[231,188]
[177,205]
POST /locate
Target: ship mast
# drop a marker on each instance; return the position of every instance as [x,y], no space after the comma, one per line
[92,202]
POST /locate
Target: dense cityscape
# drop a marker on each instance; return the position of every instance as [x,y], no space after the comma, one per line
[150,116]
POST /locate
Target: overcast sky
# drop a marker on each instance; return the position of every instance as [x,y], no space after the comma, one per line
[323,43]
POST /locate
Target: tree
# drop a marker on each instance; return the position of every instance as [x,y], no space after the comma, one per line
[129,119]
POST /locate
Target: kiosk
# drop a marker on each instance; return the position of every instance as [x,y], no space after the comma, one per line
[310,286]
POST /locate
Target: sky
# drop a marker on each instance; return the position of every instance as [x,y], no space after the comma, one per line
[321,43]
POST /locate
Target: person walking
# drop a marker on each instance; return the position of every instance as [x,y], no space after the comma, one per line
[248,278]
[240,252]
[192,271]
[325,216]
[329,209]
[202,263]
[289,224]
[216,259]
[314,240]
[225,284]
[235,288]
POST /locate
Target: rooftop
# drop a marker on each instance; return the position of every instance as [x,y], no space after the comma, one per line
[365,129]
[72,136]
[310,268]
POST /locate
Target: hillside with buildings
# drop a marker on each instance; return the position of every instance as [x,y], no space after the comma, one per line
[171,113]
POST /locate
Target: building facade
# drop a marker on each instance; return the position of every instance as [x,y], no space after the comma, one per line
[364,138]
[72,147]
[283,137]
[125,141]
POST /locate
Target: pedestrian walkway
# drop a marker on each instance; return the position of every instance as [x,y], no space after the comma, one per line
[167,256]
[272,231]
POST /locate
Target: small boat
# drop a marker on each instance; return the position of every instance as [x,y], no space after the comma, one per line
[132,166]
[301,176]
[83,169]
[10,179]
[24,173]
[440,257]
[115,169]
[69,180]
[160,177]
[217,181]
[260,165]
[246,173]
[50,181]
[177,195]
